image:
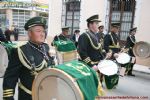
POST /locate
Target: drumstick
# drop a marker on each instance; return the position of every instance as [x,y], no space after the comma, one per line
[106,57]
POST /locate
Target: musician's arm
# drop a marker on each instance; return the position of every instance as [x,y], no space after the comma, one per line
[83,44]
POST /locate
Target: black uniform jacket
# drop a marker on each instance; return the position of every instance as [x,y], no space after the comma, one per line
[130,44]
[111,43]
[89,48]
[24,64]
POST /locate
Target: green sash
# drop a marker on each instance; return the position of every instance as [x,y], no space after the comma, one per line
[85,77]
[65,46]
[111,81]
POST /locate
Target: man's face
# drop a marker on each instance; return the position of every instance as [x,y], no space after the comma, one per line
[133,32]
[101,29]
[65,32]
[37,34]
[94,26]
[115,29]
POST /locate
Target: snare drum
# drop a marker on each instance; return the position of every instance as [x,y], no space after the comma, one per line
[123,58]
[5,52]
[68,81]
[109,69]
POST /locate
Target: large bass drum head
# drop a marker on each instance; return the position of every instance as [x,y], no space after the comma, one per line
[3,60]
[142,49]
[54,84]
[108,67]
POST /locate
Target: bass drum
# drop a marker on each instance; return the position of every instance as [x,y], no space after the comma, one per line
[55,85]
[142,49]
[69,81]
[5,52]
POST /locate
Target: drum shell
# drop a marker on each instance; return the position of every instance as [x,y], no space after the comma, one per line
[111,81]
[63,57]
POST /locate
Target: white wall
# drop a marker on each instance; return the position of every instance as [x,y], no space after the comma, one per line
[54,23]
[89,8]
[142,20]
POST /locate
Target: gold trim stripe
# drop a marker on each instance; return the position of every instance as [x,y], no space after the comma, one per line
[87,60]
[96,62]
[114,46]
[8,90]
[24,88]
[8,95]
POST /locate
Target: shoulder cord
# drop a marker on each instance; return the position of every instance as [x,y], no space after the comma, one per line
[132,40]
[95,47]
[113,40]
[22,58]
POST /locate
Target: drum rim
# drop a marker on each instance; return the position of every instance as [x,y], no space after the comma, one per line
[52,71]
[5,51]
[128,58]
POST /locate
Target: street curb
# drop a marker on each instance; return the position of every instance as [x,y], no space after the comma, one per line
[141,69]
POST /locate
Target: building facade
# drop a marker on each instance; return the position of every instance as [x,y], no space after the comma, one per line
[15,13]
[130,13]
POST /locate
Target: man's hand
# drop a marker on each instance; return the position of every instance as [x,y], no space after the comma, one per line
[116,55]
[108,55]
[95,68]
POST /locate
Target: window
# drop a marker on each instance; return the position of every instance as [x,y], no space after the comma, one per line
[3,21]
[122,11]
[71,14]
[73,6]
[19,19]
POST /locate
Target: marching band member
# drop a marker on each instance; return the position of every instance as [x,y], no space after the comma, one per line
[90,50]
[129,45]
[63,36]
[111,46]
[27,61]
